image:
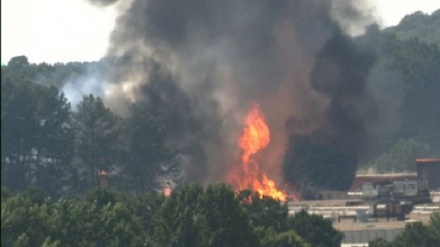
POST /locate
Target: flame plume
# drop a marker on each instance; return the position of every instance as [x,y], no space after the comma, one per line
[255,137]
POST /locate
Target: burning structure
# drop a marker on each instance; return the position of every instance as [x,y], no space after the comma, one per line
[235,79]
[256,136]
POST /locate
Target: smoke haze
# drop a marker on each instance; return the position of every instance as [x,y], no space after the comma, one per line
[198,65]
[102,2]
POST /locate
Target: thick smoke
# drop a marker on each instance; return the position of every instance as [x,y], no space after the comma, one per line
[199,64]
[328,156]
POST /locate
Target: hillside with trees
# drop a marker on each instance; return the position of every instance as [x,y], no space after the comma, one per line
[405,84]
[419,25]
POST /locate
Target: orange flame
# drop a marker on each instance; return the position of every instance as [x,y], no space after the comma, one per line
[166,191]
[255,137]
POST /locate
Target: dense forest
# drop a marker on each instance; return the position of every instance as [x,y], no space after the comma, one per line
[60,142]
[191,216]
[405,84]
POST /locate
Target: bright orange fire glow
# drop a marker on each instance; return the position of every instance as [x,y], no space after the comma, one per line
[166,191]
[255,137]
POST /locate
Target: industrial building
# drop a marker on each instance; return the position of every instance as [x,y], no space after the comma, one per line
[380,205]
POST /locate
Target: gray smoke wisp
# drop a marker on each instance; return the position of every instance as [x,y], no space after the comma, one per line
[199,65]
[75,88]
[102,2]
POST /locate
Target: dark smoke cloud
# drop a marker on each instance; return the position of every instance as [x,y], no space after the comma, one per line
[198,64]
[328,157]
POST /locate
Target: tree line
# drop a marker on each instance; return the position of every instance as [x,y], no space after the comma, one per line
[46,145]
[191,216]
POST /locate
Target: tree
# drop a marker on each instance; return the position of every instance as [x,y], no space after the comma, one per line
[36,135]
[146,206]
[222,221]
[18,107]
[264,211]
[25,222]
[315,230]
[103,218]
[419,25]
[97,130]
[19,62]
[270,238]
[175,220]
[53,143]
[418,234]
[146,153]
[418,64]
[402,156]
[195,217]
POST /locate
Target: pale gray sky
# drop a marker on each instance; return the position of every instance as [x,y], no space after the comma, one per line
[72,30]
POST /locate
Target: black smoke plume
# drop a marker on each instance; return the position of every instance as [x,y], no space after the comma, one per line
[327,158]
[199,64]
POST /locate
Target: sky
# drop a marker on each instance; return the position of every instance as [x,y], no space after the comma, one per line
[72,30]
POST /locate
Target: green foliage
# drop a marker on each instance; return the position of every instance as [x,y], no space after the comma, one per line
[419,25]
[146,154]
[145,207]
[19,62]
[102,196]
[24,223]
[194,216]
[191,216]
[46,146]
[405,84]
[402,156]
[415,234]
[69,222]
[418,64]
[264,211]
[36,136]
[6,193]
[285,239]
[222,221]
[315,230]
[97,131]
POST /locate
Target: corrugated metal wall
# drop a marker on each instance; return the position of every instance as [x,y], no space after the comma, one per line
[365,236]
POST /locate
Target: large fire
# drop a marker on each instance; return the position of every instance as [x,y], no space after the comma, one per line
[255,137]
